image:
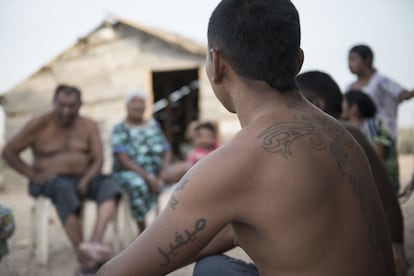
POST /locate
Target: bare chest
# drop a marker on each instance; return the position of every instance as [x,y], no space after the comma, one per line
[52,140]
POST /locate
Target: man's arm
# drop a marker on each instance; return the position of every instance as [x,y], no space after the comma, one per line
[406,95]
[199,208]
[224,241]
[96,149]
[21,141]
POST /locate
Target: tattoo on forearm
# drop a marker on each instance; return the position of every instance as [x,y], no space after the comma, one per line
[188,236]
[322,134]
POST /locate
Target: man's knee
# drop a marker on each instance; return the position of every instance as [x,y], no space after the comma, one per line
[208,265]
[222,265]
[216,265]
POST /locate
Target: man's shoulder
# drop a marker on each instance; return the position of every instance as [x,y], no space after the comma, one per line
[238,155]
[87,122]
[39,121]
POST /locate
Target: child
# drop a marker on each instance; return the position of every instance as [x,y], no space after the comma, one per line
[204,138]
[205,141]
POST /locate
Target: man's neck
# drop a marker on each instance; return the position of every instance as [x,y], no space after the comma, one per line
[61,125]
[365,75]
[255,100]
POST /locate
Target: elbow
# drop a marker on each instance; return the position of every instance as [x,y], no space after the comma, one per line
[6,154]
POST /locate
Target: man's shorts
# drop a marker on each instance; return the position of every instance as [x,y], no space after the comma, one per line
[63,192]
[222,265]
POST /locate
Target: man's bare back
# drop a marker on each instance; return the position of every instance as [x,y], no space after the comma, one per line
[297,191]
[299,220]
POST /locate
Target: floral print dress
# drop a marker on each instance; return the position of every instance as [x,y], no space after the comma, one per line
[145,145]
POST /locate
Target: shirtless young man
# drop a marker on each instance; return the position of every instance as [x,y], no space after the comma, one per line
[67,161]
[293,185]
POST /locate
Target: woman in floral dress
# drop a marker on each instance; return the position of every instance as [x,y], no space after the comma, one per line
[141,152]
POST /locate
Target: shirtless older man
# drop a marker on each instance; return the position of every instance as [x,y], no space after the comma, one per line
[67,152]
[292,185]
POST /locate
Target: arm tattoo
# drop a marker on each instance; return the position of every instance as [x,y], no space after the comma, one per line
[181,239]
[172,202]
[180,186]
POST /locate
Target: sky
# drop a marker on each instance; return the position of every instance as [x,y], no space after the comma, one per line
[32,32]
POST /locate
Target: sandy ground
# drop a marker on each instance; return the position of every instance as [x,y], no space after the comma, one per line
[62,261]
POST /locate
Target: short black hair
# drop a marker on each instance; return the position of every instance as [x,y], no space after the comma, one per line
[259,38]
[67,89]
[319,84]
[365,52]
[364,103]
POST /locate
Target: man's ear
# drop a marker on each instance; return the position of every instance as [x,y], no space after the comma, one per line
[320,103]
[218,65]
[299,61]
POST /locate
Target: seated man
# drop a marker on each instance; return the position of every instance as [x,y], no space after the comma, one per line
[321,90]
[67,160]
[292,185]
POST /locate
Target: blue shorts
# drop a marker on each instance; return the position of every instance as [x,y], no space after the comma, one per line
[63,192]
[222,265]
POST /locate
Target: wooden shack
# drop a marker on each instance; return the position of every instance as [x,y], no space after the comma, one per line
[111,60]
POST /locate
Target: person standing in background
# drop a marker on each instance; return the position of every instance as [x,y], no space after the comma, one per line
[385,92]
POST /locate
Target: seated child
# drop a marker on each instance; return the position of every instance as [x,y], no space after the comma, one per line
[204,138]
[205,141]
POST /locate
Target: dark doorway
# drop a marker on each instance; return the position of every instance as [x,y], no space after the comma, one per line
[176,104]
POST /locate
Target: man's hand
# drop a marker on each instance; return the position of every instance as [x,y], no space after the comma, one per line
[153,184]
[83,187]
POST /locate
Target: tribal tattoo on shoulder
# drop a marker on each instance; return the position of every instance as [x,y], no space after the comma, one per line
[280,137]
[322,134]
